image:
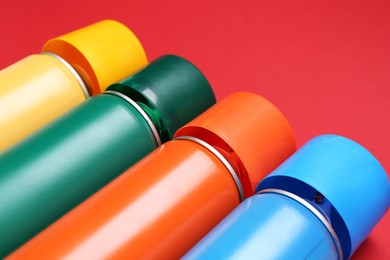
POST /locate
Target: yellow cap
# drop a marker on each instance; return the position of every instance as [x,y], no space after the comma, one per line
[102,53]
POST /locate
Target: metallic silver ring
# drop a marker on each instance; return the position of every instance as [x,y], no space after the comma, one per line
[315,211]
[141,111]
[72,70]
[221,158]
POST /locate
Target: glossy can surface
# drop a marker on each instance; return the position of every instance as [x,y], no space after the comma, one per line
[321,203]
[34,91]
[40,88]
[157,209]
[267,226]
[250,130]
[57,167]
[102,53]
[167,85]
[169,200]
[354,185]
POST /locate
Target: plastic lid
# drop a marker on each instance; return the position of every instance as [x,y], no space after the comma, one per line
[102,53]
[250,131]
[343,180]
[171,90]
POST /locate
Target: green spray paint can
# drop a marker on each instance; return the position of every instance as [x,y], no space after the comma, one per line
[62,164]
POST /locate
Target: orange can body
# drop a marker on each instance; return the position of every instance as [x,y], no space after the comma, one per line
[252,133]
[162,206]
[158,209]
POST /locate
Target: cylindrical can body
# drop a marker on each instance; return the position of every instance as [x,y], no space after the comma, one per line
[60,165]
[34,91]
[174,90]
[267,226]
[102,53]
[72,67]
[250,129]
[157,209]
[353,186]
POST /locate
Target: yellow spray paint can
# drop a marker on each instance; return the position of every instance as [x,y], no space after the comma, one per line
[71,67]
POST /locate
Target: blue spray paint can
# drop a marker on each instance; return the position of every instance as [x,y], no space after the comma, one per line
[319,204]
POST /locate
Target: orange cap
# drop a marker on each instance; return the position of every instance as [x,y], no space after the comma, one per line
[102,53]
[249,131]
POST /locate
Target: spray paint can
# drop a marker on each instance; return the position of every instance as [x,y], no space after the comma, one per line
[319,204]
[64,162]
[164,204]
[72,67]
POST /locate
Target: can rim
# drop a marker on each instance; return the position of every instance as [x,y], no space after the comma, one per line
[224,161]
[313,210]
[72,70]
[152,127]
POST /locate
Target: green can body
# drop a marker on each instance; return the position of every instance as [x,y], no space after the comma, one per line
[59,166]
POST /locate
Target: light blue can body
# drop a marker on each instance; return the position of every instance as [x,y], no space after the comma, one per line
[339,192]
[267,226]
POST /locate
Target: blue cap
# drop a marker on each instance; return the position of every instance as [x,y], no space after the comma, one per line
[343,180]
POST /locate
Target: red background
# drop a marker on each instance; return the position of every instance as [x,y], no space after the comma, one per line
[325,64]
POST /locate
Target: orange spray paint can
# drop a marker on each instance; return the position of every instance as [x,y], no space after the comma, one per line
[168,201]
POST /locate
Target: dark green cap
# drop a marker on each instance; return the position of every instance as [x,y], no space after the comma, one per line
[171,90]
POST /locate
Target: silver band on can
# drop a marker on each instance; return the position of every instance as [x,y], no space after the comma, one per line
[313,210]
[221,158]
[72,70]
[141,111]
